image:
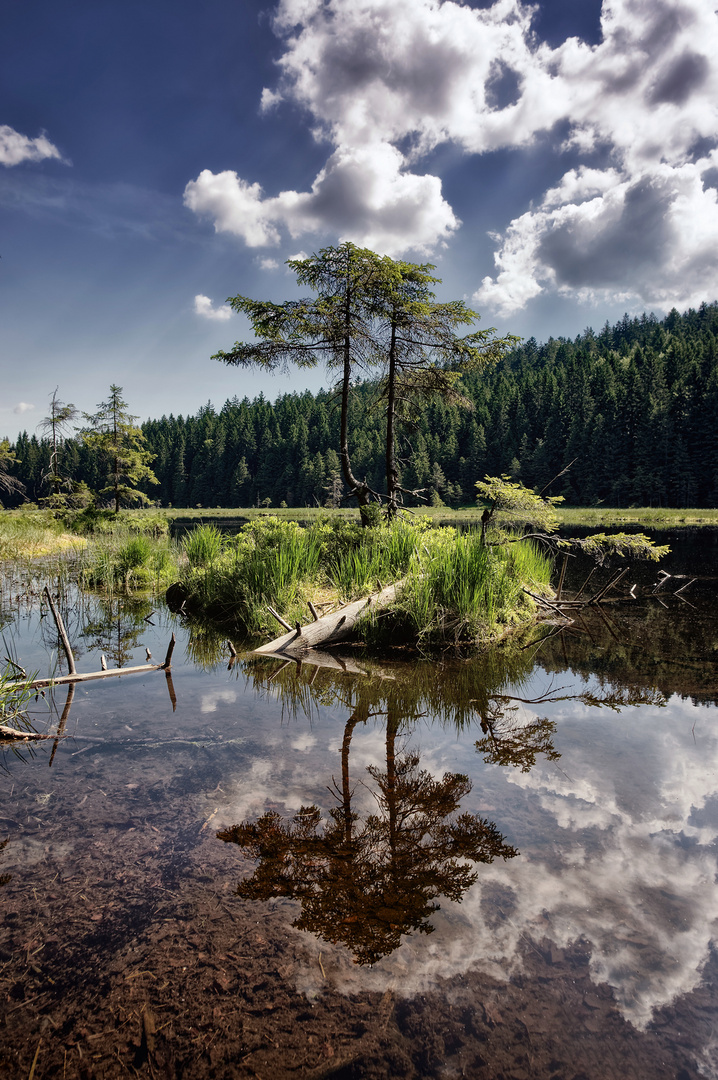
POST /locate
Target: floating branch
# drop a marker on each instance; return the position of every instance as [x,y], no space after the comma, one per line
[88,676]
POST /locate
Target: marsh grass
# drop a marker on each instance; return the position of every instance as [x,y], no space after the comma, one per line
[30,534]
[650,517]
[460,589]
[453,585]
[203,545]
[270,562]
[126,561]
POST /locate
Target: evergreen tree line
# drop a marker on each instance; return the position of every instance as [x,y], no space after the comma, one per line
[635,405]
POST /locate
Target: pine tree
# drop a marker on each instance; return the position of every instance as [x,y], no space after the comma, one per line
[114,438]
[55,426]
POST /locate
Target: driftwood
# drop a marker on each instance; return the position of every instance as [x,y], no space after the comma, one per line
[328,629]
[58,680]
[62,632]
[20,736]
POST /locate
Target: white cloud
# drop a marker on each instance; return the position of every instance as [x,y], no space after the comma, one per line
[644,230]
[387,81]
[268,264]
[650,238]
[235,206]
[213,698]
[16,148]
[23,407]
[203,306]
[362,194]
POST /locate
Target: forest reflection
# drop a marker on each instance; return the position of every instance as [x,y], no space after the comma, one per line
[366,878]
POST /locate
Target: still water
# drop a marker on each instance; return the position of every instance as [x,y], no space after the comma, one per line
[500,866]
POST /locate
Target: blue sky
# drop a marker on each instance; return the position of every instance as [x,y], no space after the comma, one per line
[557,162]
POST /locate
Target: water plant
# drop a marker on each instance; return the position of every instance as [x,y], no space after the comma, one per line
[127,560]
[450,584]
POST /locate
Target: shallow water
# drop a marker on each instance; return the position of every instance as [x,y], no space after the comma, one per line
[588,950]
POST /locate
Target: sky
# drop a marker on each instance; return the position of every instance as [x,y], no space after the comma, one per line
[557,162]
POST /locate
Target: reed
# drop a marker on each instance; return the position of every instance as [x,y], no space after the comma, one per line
[461,589]
[455,587]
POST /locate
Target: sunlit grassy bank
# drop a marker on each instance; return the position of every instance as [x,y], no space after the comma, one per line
[453,587]
[31,534]
[648,517]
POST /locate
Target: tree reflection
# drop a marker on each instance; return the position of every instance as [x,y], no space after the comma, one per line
[116,628]
[365,883]
[364,879]
[509,739]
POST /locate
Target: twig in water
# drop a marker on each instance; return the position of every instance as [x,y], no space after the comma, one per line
[34,1060]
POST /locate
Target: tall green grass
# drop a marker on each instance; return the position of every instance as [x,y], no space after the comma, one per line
[203,545]
[453,585]
[126,561]
[270,562]
[461,589]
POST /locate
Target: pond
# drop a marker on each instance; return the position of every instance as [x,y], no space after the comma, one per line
[498,866]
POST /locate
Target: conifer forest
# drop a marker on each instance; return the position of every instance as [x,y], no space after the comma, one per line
[633,406]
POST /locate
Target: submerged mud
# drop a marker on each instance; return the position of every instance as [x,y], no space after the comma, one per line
[133,956]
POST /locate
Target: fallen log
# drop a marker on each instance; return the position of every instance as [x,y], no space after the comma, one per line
[329,629]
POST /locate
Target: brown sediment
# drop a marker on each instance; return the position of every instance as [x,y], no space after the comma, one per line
[134,957]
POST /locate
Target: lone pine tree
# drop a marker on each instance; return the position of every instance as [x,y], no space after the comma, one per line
[112,436]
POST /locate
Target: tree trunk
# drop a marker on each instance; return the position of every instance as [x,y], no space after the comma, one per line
[392,480]
[330,629]
[356,487]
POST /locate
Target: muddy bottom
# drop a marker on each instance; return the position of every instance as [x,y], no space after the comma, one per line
[135,957]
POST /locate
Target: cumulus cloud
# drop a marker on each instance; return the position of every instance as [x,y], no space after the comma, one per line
[23,407]
[362,194]
[644,229]
[16,148]
[387,81]
[651,237]
[203,306]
